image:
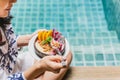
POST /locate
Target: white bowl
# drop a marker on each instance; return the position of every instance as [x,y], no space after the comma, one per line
[31,48]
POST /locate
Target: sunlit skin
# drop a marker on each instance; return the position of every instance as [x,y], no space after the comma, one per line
[5,7]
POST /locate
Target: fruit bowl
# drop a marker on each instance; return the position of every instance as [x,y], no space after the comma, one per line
[49,42]
[37,55]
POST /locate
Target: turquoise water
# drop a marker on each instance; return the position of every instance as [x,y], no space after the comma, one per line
[82,22]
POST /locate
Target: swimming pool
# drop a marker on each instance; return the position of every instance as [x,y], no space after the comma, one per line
[81,21]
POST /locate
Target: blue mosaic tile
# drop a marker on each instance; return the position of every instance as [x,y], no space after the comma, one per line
[109,57]
[89,64]
[100,64]
[89,57]
[79,64]
[110,64]
[99,57]
[78,57]
[117,56]
[84,24]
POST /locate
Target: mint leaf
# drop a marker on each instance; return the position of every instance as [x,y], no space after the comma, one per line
[48,40]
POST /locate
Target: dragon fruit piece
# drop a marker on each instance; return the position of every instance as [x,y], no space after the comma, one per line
[57,36]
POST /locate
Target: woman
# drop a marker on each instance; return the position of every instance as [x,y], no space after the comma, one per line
[14,66]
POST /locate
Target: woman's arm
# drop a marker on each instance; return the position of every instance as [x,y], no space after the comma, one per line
[51,64]
[33,72]
[48,63]
[23,40]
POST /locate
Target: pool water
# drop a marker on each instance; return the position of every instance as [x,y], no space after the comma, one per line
[82,22]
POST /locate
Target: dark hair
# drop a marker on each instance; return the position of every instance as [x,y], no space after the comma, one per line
[3,25]
[4,21]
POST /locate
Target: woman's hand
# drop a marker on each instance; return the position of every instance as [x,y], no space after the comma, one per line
[48,63]
[48,75]
[51,63]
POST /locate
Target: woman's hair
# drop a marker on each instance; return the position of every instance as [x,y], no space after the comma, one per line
[3,25]
[4,21]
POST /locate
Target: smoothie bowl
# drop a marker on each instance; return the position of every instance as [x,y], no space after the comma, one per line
[49,42]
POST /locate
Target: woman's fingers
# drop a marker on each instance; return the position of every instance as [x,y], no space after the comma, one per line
[53,63]
[58,61]
[56,71]
[53,58]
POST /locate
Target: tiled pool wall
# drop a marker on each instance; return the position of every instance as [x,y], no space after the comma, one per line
[112,15]
[82,22]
